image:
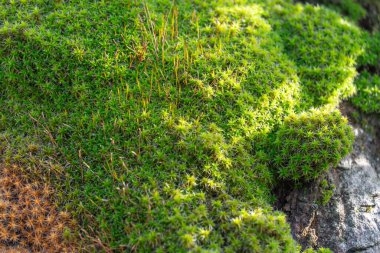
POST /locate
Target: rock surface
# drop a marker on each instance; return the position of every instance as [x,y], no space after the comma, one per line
[350,222]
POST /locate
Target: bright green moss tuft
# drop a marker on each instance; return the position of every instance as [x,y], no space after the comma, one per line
[248,226]
[326,190]
[309,144]
[321,250]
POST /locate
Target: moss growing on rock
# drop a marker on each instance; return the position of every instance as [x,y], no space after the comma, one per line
[310,143]
[161,112]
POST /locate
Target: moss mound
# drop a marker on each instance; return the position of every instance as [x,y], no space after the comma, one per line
[161,114]
[308,144]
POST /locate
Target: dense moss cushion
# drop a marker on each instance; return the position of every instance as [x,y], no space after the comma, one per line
[174,120]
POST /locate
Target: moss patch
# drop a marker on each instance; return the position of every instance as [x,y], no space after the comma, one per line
[162,114]
[29,222]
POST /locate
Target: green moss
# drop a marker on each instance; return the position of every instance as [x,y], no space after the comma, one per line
[368,82]
[364,12]
[313,38]
[321,250]
[370,60]
[350,8]
[368,96]
[308,144]
[159,115]
[326,190]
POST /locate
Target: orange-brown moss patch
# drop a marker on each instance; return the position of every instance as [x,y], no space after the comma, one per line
[29,220]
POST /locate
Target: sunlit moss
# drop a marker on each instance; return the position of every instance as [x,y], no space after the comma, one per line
[163,113]
[310,143]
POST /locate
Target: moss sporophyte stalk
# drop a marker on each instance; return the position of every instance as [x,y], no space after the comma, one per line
[164,126]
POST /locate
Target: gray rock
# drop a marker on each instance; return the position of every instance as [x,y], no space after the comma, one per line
[350,222]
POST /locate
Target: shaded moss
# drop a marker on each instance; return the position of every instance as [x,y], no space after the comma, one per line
[368,97]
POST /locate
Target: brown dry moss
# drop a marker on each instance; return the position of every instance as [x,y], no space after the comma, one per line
[29,220]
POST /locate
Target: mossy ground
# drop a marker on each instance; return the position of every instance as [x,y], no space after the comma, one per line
[156,120]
